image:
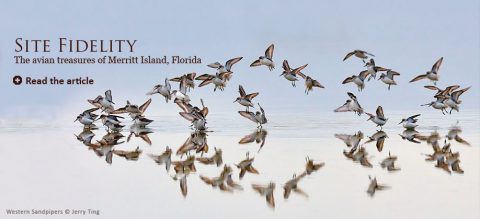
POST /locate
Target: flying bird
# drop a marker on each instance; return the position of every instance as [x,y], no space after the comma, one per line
[266,60]
[432,75]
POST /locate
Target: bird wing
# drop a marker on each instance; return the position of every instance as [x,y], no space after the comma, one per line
[456,94]
[286,192]
[300,192]
[207,180]
[248,138]
[378,68]
[297,70]
[145,105]
[347,80]
[183,85]
[183,185]
[191,76]
[261,109]
[108,95]
[420,77]
[252,169]
[370,54]
[204,77]
[177,79]
[269,52]
[271,199]
[167,84]
[391,73]
[248,115]
[380,143]
[343,108]
[364,162]
[437,64]
[225,75]
[215,65]
[119,111]
[90,110]
[183,106]
[352,96]
[256,63]
[230,62]
[187,116]
[251,96]
[286,66]
[146,139]
[154,90]
[205,82]
[241,91]
[452,88]
[204,111]
[317,84]
[363,74]
[431,87]
[379,112]
[461,140]
[413,117]
[348,55]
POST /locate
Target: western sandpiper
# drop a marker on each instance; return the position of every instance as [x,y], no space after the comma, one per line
[186,82]
[351,140]
[438,104]
[388,78]
[258,117]
[214,159]
[291,74]
[104,102]
[410,122]
[374,186]
[246,166]
[267,191]
[310,83]
[227,67]
[266,60]
[129,155]
[379,137]
[164,90]
[373,69]
[351,105]
[219,80]
[389,163]
[379,118]
[292,184]
[453,101]
[311,167]
[257,136]
[87,117]
[359,54]
[141,132]
[358,80]
[245,99]
[164,158]
[432,74]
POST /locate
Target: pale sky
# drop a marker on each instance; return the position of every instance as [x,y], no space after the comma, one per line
[407,36]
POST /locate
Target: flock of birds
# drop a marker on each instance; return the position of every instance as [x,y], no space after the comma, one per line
[113,120]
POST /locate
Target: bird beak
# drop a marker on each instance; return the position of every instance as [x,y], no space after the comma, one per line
[400,122]
[76,119]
